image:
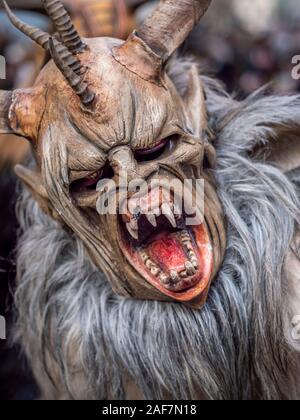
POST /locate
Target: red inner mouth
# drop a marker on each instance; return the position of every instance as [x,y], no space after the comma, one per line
[174,258]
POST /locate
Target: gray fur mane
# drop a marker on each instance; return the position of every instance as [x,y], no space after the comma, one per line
[237,347]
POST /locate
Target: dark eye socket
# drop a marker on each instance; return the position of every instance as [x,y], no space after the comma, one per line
[87,183]
[144,155]
[91,181]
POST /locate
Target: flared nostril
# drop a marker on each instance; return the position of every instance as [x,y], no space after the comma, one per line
[108,171]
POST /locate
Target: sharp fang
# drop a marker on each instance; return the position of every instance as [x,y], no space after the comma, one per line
[190,268]
[156,211]
[133,233]
[174,276]
[166,211]
[152,219]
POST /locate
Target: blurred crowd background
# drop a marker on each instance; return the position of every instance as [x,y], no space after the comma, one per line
[246,44]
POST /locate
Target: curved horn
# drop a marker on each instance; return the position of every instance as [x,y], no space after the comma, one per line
[170,24]
[64,25]
[37,35]
[42,39]
[69,59]
[80,88]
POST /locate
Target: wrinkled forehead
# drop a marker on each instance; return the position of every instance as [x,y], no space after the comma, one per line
[128,109]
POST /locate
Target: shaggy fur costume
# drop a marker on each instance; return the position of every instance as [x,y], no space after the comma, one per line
[84,342]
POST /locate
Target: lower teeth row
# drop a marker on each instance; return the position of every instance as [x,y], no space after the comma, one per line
[174,277]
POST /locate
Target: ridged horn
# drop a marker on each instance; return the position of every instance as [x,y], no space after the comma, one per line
[42,39]
[75,81]
[170,24]
[69,59]
[37,35]
[64,25]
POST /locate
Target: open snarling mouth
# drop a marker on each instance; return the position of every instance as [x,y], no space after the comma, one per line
[173,257]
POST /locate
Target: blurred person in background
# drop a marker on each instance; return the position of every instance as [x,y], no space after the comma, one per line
[250,46]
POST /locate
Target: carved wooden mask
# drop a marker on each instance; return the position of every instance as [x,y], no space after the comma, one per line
[102,108]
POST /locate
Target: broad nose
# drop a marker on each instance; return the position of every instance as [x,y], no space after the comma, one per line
[123,162]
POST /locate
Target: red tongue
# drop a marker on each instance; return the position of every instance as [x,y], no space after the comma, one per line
[167,252]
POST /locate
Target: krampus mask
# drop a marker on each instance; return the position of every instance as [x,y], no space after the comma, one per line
[103,110]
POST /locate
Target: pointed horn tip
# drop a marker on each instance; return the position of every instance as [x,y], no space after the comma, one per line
[35,34]
[158,32]
[7,8]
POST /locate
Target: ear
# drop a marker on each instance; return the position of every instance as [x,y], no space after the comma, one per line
[26,111]
[194,99]
[277,124]
[283,150]
[32,179]
[5,103]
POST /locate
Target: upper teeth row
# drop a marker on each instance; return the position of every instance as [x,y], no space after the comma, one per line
[166,209]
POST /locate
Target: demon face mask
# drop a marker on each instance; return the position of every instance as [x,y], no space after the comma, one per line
[104,110]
